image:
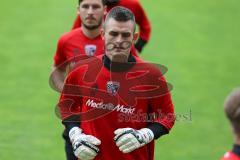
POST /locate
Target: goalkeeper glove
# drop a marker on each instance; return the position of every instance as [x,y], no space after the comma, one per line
[84,146]
[128,139]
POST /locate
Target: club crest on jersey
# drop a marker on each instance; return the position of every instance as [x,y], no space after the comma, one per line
[90,50]
[112,87]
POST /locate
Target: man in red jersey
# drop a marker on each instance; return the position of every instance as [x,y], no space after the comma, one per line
[140,16]
[97,105]
[232,110]
[85,41]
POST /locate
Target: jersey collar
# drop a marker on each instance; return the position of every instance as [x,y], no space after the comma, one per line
[118,67]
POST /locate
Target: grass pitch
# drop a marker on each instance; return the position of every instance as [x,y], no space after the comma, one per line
[197,40]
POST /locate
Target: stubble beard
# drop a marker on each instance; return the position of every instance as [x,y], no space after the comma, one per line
[92,27]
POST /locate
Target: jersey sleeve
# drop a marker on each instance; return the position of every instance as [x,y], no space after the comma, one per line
[70,102]
[230,156]
[143,22]
[77,23]
[163,108]
[60,56]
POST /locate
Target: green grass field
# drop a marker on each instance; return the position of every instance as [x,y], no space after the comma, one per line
[197,40]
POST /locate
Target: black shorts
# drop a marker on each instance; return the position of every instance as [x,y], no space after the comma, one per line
[68,147]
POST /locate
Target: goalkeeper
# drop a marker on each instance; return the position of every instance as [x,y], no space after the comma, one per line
[109,135]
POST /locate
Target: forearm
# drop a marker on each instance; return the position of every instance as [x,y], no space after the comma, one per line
[57,79]
[140,44]
[69,125]
[157,129]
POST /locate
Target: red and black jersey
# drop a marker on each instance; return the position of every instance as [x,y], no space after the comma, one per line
[139,13]
[75,43]
[101,96]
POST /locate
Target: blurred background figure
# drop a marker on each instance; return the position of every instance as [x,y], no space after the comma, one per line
[140,16]
[85,40]
[232,110]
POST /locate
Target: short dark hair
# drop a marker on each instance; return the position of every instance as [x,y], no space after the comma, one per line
[80,1]
[121,14]
[232,109]
[111,2]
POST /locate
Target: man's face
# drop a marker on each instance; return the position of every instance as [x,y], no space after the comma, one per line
[91,13]
[119,37]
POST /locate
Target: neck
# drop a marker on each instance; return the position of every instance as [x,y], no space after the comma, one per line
[91,33]
[118,67]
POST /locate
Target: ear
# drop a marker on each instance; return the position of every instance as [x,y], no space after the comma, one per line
[105,11]
[102,33]
[135,36]
[78,12]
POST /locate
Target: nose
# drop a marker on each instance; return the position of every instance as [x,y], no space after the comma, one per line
[119,38]
[90,10]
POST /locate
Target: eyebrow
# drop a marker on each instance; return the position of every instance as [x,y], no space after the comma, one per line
[93,5]
[113,32]
[120,32]
[124,34]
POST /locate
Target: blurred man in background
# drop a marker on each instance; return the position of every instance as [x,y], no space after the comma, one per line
[140,16]
[85,41]
[232,110]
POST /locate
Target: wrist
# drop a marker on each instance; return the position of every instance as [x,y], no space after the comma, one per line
[74,133]
[157,129]
[147,134]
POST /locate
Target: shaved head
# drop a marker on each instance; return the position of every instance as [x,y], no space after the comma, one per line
[232,109]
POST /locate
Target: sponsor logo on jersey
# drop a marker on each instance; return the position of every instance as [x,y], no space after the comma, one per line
[112,87]
[90,50]
[110,106]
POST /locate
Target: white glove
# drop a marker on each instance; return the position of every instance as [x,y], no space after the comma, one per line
[128,139]
[84,146]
